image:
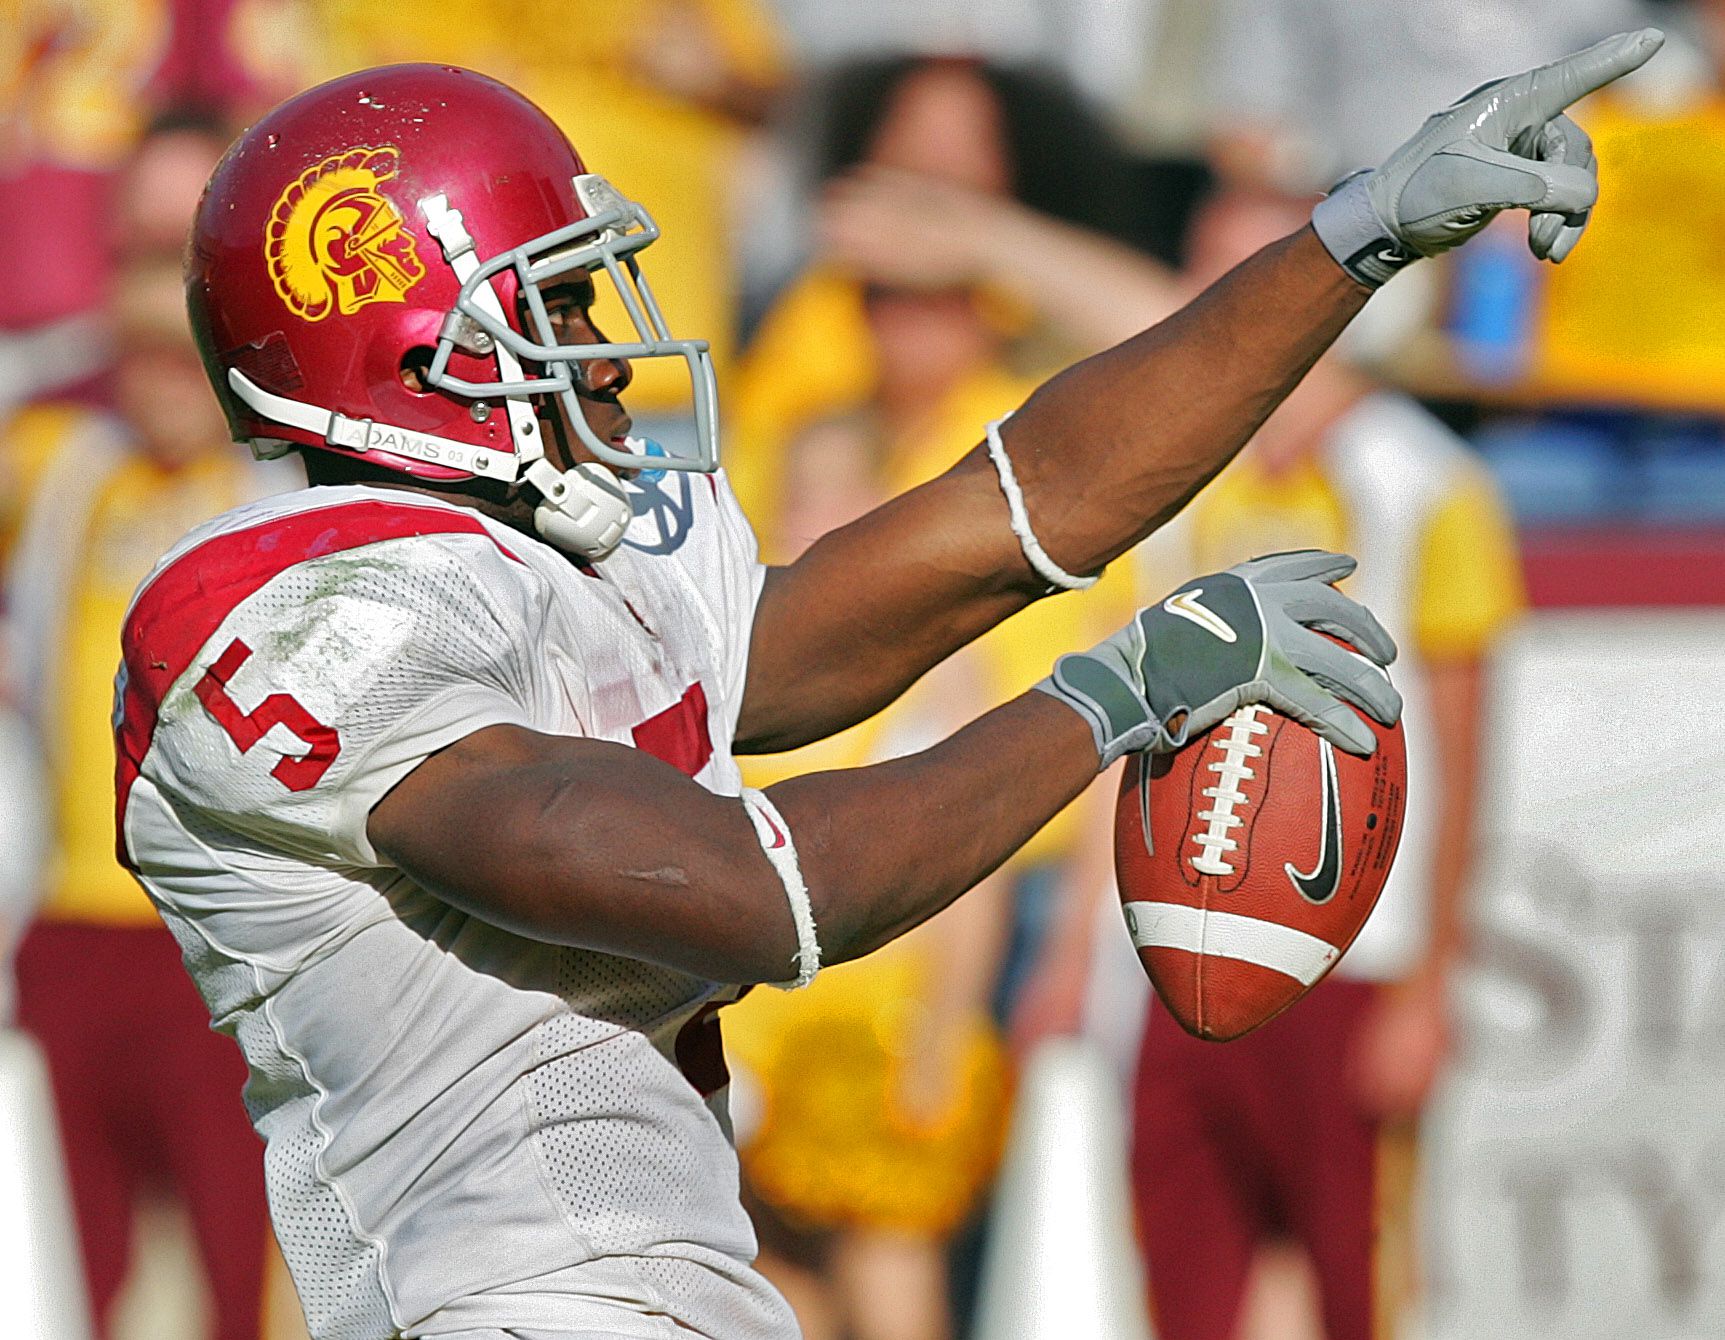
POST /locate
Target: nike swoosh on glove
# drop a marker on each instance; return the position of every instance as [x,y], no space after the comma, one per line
[1506,145]
[1252,634]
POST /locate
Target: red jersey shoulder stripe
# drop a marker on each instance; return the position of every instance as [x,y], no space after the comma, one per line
[180,608]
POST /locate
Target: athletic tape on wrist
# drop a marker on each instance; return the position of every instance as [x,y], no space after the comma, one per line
[1046,568]
[774,835]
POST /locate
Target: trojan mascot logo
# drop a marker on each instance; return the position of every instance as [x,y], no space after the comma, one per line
[335,242]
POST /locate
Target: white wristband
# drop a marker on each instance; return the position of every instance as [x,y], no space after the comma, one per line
[1046,568]
[774,835]
[1355,237]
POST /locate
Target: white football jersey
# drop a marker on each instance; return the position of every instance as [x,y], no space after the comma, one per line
[466,1130]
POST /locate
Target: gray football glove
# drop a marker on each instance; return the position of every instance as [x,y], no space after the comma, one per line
[1236,637]
[1506,145]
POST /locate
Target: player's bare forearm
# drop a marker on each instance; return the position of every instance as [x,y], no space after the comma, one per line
[1114,446]
[595,844]
[884,848]
[1105,452]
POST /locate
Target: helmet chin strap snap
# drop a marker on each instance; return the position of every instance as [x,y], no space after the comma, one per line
[583,511]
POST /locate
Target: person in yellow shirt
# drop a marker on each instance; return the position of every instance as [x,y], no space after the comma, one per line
[143,1090]
[1315,1113]
[883,1088]
[1342,465]
[953,132]
[921,350]
[1637,320]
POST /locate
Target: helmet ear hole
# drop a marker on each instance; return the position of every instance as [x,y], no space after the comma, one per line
[416,368]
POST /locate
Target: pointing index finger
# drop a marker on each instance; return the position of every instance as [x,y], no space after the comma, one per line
[1551,88]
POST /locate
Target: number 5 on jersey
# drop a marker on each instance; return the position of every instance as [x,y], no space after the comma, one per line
[279,709]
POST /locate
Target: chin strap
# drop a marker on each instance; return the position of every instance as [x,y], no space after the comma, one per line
[584,510]
[368,435]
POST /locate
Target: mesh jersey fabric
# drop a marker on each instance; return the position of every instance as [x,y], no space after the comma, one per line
[465,1128]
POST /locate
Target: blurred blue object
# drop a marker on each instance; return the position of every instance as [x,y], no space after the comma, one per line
[1495,283]
[1558,471]
[1681,465]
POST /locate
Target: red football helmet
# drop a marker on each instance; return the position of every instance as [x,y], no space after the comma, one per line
[405,219]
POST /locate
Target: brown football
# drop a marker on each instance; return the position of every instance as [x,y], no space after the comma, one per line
[1249,860]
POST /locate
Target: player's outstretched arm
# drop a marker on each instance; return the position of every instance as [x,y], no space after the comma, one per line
[1104,453]
[595,844]
[591,843]
[1108,450]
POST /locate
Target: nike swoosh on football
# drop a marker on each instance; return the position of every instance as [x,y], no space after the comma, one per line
[1185,604]
[1319,884]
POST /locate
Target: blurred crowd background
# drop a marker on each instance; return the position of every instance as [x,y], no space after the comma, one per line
[1501,1118]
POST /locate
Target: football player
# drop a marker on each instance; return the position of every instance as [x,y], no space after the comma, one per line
[431,767]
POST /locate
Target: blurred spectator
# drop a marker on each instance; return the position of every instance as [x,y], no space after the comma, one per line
[988,130]
[658,96]
[1134,67]
[1097,46]
[1304,1130]
[1635,316]
[871,1106]
[885,363]
[1086,289]
[144,1091]
[78,82]
[1308,90]
[918,345]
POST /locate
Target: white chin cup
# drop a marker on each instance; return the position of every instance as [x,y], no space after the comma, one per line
[585,511]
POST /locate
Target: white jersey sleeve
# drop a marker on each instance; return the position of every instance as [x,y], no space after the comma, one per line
[325,687]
